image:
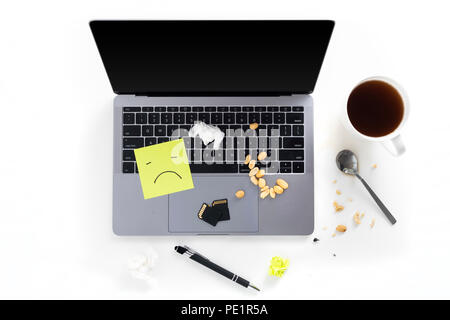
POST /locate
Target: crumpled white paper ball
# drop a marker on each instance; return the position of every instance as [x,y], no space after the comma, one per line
[141,266]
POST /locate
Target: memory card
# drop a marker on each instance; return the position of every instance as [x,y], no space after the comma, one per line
[222,206]
[209,214]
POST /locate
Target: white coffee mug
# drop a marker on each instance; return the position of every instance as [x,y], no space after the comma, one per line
[392,141]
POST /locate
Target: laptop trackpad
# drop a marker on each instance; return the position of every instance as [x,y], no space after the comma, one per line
[184,206]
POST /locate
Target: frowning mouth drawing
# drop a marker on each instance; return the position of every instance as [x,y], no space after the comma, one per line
[167,171]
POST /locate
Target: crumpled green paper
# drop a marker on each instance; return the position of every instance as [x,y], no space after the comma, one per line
[278,266]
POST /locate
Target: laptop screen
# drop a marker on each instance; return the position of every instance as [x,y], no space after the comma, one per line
[212,57]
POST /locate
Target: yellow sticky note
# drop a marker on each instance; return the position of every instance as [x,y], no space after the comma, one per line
[163,168]
[278,266]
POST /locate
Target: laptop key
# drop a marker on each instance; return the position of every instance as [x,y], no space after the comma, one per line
[216,118]
[141,118]
[133,143]
[273,109]
[241,118]
[131,131]
[185,109]
[229,118]
[298,167]
[298,130]
[210,109]
[147,130]
[204,117]
[172,109]
[131,109]
[128,118]
[178,118]
[197,109]
[278,117]
[150,141]
[285,109]
[297,108]
[191,117]
[285,170]
[166,118]
[253,117]
[260,109]
[284,164]
[153,118]
[164,139]
[294,118]
[243,168]
[160,131]
[292,143]
[128,155]
[147,109]
[235,109]
[247,109]
[285,130]
[128,167]
[160,109]
[266,118]
[171,129]
[214,168]
[291,155]
[222,109]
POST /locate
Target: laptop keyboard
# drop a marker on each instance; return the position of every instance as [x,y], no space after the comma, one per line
[280,134]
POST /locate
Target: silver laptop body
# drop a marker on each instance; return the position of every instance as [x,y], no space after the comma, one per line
[285,131]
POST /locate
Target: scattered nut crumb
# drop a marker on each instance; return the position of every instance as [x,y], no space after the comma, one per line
[272,193]
[338,192]
[341,228]
[349,199]
[334,234]
[254,126]
[357,218]
[261,173]
[372,223]
[262,183]
[374,166]
[337,206]
[262,155]
[264,194]
[316,240]
[253,171]
[248,158]
[282,183]
[278,189]
[334,181]
[362,215]
[240,194]
[324,228]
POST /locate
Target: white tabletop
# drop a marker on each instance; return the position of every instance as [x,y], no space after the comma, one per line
[56,183]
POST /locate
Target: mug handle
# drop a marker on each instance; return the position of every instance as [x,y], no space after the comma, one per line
[395,146]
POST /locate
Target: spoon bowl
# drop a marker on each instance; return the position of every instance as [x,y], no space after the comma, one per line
[347,162]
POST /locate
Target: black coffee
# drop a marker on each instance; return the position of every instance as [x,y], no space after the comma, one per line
[375,108]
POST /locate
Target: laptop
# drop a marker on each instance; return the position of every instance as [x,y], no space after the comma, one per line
[167,75]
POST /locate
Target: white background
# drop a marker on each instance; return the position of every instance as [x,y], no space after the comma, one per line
[56,182]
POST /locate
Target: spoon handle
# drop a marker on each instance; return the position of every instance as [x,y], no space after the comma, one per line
[378,201]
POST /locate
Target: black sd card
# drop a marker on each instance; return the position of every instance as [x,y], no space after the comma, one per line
[222,206]
[209,214]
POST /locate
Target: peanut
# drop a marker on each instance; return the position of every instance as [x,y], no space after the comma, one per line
[251,164]
[282,183]
[254,180]
[264,194]
[240,194]
[278,189]
[341,228]
[262,182]
[260,173]
[253,171]
[254,126]
[272,193]
[262,156]
[247,159]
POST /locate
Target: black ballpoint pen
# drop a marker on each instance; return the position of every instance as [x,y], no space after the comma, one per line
[207,263]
